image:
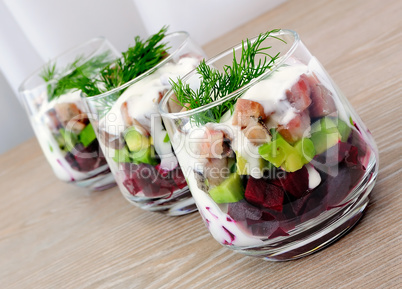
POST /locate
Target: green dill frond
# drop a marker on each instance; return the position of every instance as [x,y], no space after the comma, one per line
[139,58]
[76,75]
[215,84]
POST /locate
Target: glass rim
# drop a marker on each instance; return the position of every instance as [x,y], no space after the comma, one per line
[149,71]
[175,115]
[22,87]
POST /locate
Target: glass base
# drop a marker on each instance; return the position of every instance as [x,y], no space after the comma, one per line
[100,182]
[180,203]
[319,232]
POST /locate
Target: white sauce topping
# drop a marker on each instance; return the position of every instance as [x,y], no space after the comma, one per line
[271,93]
[314,178]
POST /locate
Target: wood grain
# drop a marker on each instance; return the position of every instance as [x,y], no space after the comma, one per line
[53,235]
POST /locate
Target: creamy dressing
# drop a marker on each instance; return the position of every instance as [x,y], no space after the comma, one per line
[314,178]
[271,93]
[70,97]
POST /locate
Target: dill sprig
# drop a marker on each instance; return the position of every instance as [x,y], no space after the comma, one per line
[72,77]
[215,84]
[139,58]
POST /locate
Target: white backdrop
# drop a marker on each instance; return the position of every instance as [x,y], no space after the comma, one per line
[32,32]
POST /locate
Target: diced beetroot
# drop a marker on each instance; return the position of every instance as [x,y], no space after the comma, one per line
[296,128]
[322,102]
[261,193]
[240,211]
[145,178]
[295,183]
[87,158]
[161,171]
[299,94]
[298,205]
[245,110]
[164,182]
[351,157]
[268,216]
[131,186]
[278,233]
[356,174]
[69,157]
[287,223]
[338,187]
[315,203]
[135,178]
[334,154]
[264,228]
[337,154]
[178,178]
[356,139]
[213,146]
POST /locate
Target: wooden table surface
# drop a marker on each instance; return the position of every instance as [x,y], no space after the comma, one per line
[54,235]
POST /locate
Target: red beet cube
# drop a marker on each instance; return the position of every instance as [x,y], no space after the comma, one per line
[179,179]
[240,211]
[262,193]
[264,228]
[295,183]
[87,158]
[334,154]
[278,232]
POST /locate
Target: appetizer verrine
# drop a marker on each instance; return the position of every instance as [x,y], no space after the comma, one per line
[271,150]
[125,96]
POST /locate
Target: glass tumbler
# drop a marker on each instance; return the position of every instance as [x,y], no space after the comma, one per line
[288,168]
[57,115]
[133,137]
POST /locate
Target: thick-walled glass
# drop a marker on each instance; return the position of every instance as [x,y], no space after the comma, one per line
[133,137]
[289,169]
[57,115]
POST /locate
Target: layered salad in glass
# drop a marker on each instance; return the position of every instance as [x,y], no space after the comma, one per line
[270,148]
[52,99]
[125,98]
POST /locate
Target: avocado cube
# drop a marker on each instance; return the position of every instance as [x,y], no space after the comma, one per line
[243,167]
[146,156]
[87,135]
[293,162]
[122,155]
[325,124]
[344,130]
[135,140]
[305,148]
[70,139]
[324,134]
[229,191]
[276,151]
